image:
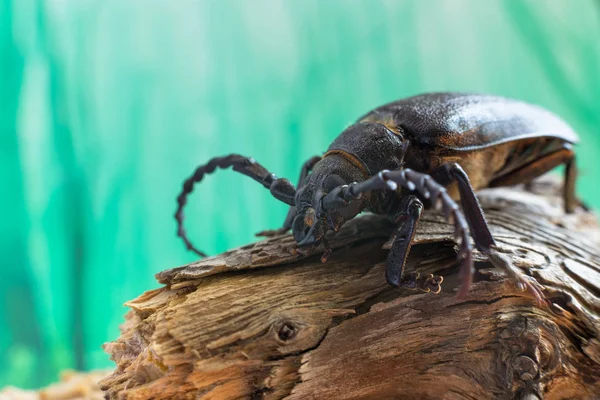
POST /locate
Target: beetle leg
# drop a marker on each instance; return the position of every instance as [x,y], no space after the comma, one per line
[429,189]
[287,224]
[542,165]
[523,281]
[482,235]
[569,189]
[471,207]
[280,188]
[407,218]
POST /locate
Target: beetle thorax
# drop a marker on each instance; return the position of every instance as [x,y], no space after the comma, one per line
[371,146]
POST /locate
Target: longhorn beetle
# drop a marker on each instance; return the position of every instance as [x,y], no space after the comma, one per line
[427,150]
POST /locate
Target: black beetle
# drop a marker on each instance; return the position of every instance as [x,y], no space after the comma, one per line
[423,150]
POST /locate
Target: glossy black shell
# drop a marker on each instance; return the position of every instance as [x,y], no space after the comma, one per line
[462,121]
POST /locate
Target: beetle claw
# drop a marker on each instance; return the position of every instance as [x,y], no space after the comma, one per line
[428,284]
[299,252]
[432,283]
[327,252]
[326,255]
[527,283]
[522,281]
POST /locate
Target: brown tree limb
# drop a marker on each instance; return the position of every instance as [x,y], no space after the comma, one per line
[263,322]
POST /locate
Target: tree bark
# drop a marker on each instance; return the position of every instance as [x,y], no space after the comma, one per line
[263,322]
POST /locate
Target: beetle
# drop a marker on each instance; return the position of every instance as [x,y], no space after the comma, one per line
[428,150]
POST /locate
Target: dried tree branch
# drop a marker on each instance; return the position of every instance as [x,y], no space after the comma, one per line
[262,322]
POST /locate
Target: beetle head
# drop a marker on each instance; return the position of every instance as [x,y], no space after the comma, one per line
[312,221]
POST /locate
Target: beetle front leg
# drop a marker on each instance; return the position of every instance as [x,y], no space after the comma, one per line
[428,188]
[287,223]
[407,217]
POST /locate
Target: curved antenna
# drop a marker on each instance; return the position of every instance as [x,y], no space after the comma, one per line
[280,188]
[429,189]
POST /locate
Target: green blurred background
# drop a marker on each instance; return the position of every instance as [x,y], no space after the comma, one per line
[107,105]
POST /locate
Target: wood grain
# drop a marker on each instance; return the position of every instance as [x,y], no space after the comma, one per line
[263,322]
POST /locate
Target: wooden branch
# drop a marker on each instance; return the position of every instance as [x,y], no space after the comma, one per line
[261,322]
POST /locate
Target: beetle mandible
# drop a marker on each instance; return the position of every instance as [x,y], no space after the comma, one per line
[426,150]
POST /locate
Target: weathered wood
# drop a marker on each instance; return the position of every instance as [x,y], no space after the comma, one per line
[259,322]
[73,385]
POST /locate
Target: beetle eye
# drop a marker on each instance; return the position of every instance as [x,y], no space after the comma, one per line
[331,182]
[299,228]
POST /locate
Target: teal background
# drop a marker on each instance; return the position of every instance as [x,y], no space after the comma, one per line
[107,105]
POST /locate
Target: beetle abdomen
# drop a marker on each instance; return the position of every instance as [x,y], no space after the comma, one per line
[465,122]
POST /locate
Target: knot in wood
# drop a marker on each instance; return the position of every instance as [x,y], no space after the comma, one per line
[515,328]
[525,368]
[288,331]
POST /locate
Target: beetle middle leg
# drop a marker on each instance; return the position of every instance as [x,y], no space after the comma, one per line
[407,218]
[470,204]
[480,230]
[287,223]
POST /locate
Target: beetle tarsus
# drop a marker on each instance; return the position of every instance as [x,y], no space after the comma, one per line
[431,284]
[414,281]
[522,281]
[327,252]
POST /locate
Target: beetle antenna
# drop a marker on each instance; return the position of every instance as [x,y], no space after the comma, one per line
[280,188]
